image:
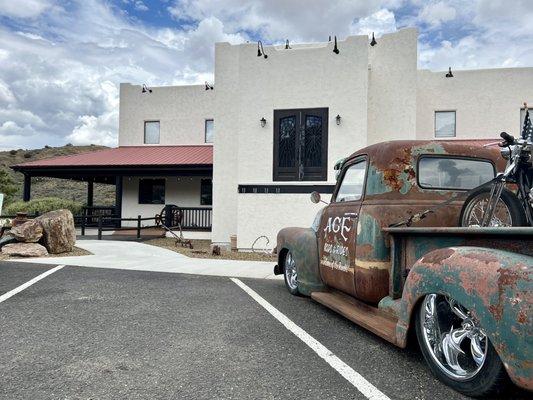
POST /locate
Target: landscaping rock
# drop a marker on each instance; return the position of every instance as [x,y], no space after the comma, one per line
[28,232]
[24,250]
[59,233]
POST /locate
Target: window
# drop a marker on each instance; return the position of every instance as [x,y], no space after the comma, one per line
[206,192]
[522,116]
[151,132]
[444,124]
[300,145]
[353,181]
[453,173]
[152,191]
[209,130]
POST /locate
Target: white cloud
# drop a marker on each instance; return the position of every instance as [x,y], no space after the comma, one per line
[140,6]
[380,22]
[435,14]
[26,9]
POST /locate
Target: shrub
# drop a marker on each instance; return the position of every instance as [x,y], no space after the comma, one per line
[27,155]
[47,147]
[13,152]
[43,205]
[68,145]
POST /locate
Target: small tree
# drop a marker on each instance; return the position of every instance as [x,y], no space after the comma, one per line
[7,185]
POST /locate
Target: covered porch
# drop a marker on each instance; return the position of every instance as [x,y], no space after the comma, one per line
[146,179]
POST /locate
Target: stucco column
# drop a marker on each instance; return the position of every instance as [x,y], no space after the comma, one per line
[27,187]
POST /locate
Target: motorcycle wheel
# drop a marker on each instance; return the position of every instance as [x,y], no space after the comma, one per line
[509,210]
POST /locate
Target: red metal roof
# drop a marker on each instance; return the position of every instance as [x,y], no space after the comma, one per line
[131,156]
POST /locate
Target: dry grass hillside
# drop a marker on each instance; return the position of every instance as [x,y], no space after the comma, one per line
[52,187]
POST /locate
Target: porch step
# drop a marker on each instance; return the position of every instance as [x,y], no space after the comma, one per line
[362,314]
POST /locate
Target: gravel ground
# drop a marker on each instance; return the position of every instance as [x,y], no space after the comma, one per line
[202,249]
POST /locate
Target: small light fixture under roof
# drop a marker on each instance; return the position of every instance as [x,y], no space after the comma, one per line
[373,41]
[146,89]
[449,74]
[335,48]
[263,122]
[208,86]
[260,50]
[338,119]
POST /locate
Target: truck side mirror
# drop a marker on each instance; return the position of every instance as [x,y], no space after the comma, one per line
[315,197]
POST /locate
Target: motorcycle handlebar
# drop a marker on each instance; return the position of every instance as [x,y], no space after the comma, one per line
[509,139]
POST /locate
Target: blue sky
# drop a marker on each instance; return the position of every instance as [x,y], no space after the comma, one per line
[61,61]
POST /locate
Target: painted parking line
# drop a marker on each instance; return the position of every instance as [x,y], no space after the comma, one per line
[26,285]
[348,373]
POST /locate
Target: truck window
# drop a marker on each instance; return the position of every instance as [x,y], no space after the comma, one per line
[353,181]
[453,173]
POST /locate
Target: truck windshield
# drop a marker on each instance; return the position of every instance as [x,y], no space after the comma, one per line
[453,173]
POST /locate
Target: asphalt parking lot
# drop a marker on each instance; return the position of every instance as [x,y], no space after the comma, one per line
[89,333]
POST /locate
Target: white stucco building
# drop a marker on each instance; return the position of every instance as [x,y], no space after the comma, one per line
[277,125]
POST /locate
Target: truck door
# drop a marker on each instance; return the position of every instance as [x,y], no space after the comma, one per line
[338,229]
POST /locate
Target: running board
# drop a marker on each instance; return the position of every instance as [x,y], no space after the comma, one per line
[362,314]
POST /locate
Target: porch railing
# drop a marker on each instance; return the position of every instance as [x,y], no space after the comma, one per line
[197,218]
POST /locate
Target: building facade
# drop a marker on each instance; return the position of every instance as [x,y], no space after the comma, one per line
[278,124]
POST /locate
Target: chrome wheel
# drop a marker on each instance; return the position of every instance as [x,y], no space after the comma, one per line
[453,338]
[475,210]
[291,276]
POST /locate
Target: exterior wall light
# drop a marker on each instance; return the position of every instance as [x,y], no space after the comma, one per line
[338,119]
[449,74]
[208,86]
[335,48]
[146,89]
[373,42]
[260,50]
[263,122]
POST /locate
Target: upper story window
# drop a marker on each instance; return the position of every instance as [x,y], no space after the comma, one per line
[209,130]
[151,132]
[353,182]
[152,191]
[453,173]
[300,144]
[445,124]
[522,116]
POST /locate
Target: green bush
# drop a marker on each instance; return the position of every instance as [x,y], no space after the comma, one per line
[43,205]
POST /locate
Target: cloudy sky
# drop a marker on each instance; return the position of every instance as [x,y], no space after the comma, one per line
[61,61]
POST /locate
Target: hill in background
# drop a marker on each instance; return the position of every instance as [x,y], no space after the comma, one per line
[53,187]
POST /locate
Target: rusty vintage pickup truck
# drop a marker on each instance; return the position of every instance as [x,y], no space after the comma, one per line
[465,292]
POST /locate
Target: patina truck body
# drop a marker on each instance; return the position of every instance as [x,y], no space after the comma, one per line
[353,262]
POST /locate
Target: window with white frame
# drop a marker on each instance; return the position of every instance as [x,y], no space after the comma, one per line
[522,116]
[151,132]
[445,124]
[209,130]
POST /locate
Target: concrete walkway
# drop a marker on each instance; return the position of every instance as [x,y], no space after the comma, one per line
[143,257]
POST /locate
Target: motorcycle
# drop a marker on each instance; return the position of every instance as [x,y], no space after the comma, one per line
[494,204]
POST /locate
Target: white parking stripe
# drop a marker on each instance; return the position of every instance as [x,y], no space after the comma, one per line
[365,387]
[26,285]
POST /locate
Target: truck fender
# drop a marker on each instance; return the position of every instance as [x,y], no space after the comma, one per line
[303,245]
[495,285]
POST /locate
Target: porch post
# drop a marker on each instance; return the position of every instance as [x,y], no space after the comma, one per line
[27,187]
[118,198]
[90,193]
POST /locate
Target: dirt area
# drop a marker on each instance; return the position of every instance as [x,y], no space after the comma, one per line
[202,249]
[75,252]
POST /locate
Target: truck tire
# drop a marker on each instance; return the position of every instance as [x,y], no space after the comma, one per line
[509,210]
[456,348]
[290,274]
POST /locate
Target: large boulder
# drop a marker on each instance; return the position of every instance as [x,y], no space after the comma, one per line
[59,233]
[24,250]
[28,232]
